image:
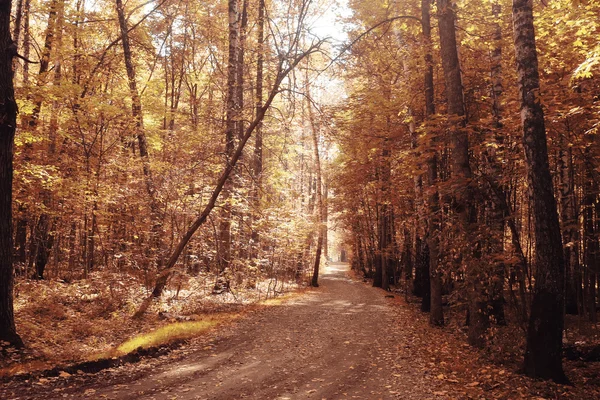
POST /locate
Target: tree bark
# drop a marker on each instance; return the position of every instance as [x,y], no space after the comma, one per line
[258,144]
[319,191]
[26,41]
[590,252]
[461,168]
[496,297]
[137,114]
[8,122]
[231,129]
[384,220]
[436,312]
[543,355]
[568,215]
[42,237]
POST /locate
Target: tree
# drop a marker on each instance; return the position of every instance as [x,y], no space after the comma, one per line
[461,168]
[8,123]
[320,209]
[140,135]
[258,144]
[543,356]
[232,121]
[43,237]
[434,291]
[286,64]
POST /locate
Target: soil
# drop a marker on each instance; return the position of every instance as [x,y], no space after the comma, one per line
[343,340]
[333,342]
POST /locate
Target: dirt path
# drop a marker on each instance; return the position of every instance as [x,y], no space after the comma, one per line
[342,340]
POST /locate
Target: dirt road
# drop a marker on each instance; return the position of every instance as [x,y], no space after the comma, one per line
[344,340]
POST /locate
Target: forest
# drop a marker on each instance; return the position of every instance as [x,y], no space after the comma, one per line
[167,161]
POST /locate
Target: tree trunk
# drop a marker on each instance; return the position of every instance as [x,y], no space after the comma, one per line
[325,218]
[49,43]
[26,41]
[231,130]
[569,223]
[8,122]
[258,144]
[496,297]
[44,242]
[461,168]
[543,355]
[436,316]
[44,230]
[424,262]
[41,234]
[136,112]
[384,220]
[17,26]
[425,277]
[319,191]
[590,252]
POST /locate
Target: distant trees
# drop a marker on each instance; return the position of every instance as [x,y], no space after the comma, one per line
[445,171]
[136,98]
[463,164]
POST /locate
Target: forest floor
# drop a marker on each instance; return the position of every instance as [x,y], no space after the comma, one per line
[65,323]
[342,340]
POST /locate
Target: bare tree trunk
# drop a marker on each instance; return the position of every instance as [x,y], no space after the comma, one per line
[436,312]
[319,191]
[543,356]
[38,238]
[49,43]
[461,168]
[569,223]
[8,122]
[496,297]
[137,114]
[258,144]
[44,229]
[325,217]
[26,41]
[17,26]
[590,253]
[231,130]
[384,220]
[434,290]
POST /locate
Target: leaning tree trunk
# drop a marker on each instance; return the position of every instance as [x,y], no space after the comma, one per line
[281,75]
[543,355]
[8,122]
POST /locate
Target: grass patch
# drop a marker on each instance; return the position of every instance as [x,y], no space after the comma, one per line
[165,334]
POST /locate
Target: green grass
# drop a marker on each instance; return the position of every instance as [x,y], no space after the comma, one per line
[166,334]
